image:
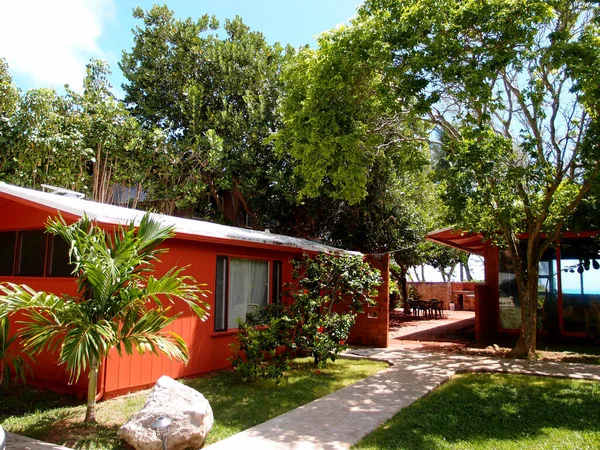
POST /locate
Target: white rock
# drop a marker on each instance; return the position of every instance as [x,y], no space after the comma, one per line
[191,414]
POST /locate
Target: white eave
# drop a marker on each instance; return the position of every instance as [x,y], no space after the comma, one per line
[117,215]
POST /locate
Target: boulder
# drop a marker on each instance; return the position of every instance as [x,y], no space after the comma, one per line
[191,414]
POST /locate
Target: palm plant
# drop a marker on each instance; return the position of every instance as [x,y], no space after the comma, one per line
[8,359]
[119,303]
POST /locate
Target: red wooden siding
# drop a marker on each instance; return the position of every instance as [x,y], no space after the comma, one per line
[209,350]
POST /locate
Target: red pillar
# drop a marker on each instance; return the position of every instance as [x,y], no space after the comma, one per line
[486,299]
[372,327]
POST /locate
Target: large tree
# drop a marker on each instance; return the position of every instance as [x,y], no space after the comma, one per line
[512,86]
[120,304]
[85,141]
[216,101]
[347,156]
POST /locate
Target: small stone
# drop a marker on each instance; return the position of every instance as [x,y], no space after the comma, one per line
[191,414]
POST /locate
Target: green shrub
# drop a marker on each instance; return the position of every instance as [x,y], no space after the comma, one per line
[262,347]
[324,298]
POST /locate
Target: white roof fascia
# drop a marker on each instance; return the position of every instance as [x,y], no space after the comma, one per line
[117,215]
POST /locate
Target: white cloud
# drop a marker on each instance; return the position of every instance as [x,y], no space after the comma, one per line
[51,41]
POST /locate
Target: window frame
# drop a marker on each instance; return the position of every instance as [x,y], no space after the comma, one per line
[45,255]
[221,319]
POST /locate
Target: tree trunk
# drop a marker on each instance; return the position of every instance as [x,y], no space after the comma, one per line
[528,296]
[468,275]
[90,414]
[416,274]
[404,288]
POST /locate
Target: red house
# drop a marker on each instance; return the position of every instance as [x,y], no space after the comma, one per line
[243,269]
[568,286]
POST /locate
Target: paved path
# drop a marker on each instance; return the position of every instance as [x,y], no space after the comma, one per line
[342,418]
[18,442]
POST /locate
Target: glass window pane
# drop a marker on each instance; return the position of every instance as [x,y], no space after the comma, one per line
[580,284]
[510,309]
[7,252]
[220,293]
[276,282]
[58,259]
[32,252]
[248,288]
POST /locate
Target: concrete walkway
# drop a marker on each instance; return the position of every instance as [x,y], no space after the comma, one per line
[18,442]
[342,418]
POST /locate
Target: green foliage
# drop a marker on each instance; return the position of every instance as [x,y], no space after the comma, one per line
[265,338]
[10,362]
[507,86]
[85,141]
[215,99]
[354,167]
[308,323]
[120,304]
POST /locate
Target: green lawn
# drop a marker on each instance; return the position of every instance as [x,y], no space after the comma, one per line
[497,412]
[236,405]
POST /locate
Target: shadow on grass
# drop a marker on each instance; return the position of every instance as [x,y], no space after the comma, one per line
[19,400]
[95,436]
[497,411]
[63,428]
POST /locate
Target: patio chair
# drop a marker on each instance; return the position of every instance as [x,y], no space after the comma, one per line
[414,306]
[436,308]
[425,307]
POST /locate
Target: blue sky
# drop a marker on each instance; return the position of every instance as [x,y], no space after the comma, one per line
[48,42]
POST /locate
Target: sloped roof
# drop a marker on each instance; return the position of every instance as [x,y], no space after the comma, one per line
[117,215]
[462,240]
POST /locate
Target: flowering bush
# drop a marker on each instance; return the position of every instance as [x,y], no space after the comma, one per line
[327,292]
[262,347]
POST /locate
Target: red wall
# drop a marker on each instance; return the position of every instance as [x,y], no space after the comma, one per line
[372,327]
[448,292]
[208,350]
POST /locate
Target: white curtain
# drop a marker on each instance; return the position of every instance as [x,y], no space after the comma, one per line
[248,288]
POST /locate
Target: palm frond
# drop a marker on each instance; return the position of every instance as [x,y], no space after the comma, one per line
[119,304]
[10,362]
[15,297]
[145,335]
[174,285]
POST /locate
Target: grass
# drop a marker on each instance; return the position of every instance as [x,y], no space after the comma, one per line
[236,405]
[496,412]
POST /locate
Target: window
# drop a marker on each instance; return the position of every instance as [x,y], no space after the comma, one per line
[242,286]
[31,252]
[509,302]
[8,239]
[276,289]
[580,285]
[58,258]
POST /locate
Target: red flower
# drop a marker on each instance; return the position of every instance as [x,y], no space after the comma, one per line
[342,342]
[321,329]
[306,291]
[318,372]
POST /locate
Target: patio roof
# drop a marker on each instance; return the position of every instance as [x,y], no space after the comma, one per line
[461,240]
